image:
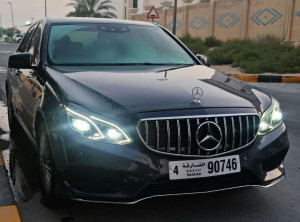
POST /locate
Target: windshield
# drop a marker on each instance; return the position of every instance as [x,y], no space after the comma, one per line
[113,44]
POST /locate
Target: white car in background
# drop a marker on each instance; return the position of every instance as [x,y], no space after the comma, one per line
[17,38]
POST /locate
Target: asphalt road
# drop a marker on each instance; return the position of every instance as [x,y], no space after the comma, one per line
[278,203]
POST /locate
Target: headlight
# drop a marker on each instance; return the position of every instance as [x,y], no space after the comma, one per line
[95,128]
[271,118]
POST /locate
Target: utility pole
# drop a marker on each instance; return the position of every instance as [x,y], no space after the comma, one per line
[1,33]
[46,8]
[12,16]
[175,17]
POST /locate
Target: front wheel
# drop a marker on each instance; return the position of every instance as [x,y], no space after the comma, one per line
[47,168]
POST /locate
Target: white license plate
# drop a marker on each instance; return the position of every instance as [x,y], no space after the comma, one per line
[204,168]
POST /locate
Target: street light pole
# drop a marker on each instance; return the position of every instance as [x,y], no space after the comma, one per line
[1,33]
[46,8]
[12,17]
[175,17]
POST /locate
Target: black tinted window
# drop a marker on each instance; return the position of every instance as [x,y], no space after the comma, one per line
[34,47]
[113,44]
[25,42]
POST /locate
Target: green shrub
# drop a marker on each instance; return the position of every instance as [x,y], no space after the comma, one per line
[264,54]
[212,42]
[196,45]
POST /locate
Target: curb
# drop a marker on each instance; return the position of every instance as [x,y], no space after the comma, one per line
[8,209]
[267,78]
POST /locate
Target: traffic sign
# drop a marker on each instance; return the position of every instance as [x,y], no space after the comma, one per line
[153,14]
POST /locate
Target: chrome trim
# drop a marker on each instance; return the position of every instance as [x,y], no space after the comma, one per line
[189,136]
[198,123]
[233,133]
[157,135]
[216,120]
[180,194]
[241,130]
[254,125]
[146,131]
[179,136]
[198,116]
[168,132]
[189,117]
[247,121]
[225,129]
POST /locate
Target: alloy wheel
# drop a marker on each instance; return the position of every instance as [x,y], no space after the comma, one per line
[45,163]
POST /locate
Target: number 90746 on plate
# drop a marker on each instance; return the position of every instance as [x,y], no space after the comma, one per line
[204,168]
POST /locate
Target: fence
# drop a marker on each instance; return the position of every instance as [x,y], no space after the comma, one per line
[234,19]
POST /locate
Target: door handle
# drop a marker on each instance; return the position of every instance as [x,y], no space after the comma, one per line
[17,72]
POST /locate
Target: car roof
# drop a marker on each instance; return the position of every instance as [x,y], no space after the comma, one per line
[72,20]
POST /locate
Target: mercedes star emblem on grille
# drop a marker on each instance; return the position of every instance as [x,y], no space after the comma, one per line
[209,136]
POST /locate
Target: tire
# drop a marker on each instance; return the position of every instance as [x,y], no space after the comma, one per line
[12,121]
[47,169]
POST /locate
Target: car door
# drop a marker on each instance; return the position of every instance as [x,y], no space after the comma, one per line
[30,90]
[14,75]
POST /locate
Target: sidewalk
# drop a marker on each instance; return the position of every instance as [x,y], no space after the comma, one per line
[238,73]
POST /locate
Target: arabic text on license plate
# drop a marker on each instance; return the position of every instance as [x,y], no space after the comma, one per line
[204,168]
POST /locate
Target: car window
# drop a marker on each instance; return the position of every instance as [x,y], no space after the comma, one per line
[106,44]
[24,44]
[34,47]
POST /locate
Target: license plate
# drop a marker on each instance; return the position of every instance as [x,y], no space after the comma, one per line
[204,168]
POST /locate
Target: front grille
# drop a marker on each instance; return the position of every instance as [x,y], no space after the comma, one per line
[177,136]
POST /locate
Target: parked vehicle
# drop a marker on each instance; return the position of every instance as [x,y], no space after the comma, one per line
[17,38]
[122,111]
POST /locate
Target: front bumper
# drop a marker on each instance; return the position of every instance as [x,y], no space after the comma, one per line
[99,172]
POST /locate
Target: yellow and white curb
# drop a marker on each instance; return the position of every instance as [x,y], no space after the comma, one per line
[267,78]
[8,212]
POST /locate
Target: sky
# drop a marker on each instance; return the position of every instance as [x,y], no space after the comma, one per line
[24,10]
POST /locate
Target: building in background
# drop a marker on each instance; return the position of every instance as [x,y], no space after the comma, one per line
[233,19]
[126,8]
[131,7]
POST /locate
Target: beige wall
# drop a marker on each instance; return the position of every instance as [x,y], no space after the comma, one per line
[294,31]
[235,19]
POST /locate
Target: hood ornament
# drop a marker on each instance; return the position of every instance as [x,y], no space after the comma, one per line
[197,94]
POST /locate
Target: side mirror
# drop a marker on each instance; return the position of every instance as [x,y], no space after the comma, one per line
[203,59]
[20,61]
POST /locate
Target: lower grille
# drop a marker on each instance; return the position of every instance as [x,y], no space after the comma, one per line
[182,136]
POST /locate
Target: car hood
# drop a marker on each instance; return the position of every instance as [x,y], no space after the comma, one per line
[143,89]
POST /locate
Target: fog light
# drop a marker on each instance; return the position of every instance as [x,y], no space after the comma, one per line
[81,125]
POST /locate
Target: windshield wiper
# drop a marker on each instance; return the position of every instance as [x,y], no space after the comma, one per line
[164,64]
[178,67]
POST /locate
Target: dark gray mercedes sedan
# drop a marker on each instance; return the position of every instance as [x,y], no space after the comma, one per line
[122,111]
